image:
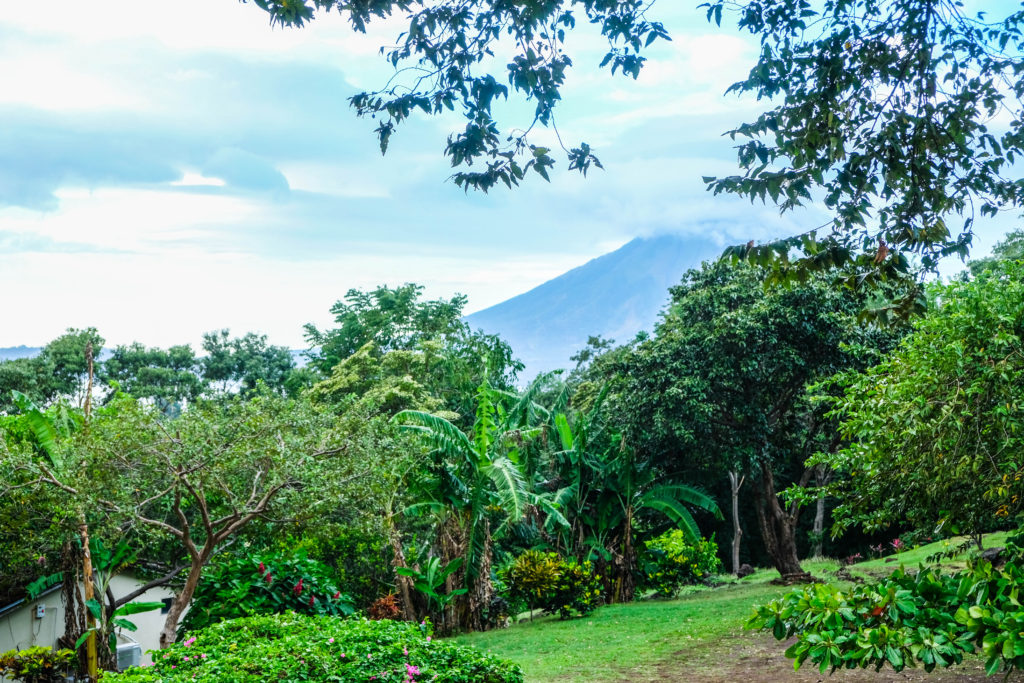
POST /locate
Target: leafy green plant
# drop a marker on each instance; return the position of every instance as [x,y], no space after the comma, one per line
[927,618]
[36,664]
[671,561]
[532,577]
[556,585]
[431,578]
[294,647]
[264,583]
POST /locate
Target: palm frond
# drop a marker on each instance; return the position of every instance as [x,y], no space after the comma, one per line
[441,433]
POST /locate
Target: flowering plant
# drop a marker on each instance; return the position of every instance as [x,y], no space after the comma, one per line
[670,562]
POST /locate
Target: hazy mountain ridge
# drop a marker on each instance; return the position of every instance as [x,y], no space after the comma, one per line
[15,352]
[615,295]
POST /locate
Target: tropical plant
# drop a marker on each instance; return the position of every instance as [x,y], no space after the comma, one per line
[244,584]
[671,561]
[36,665]
[431,579]
[609,488]
[476,487]
[925,617]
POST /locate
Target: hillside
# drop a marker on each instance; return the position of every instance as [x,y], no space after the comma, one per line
[14,352]
[615,296]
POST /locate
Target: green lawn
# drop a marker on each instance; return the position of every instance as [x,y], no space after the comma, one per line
[620,642]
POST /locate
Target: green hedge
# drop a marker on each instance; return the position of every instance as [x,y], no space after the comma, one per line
[293,647]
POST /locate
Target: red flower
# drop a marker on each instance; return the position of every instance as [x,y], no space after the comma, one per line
[269,578]
[298,588]
[337,595]
[262,568]
[310,600]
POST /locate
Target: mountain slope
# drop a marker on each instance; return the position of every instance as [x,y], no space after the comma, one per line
[615,296]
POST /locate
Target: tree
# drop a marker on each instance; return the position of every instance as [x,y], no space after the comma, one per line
[169,377]
[202,478]
[243,363]
[477,485]
[1010,249]
[58,371]
[392,333]
[722,386]
[881,109]
[607,491]
[936,429]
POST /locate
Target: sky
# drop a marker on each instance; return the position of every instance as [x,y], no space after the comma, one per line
[172,167]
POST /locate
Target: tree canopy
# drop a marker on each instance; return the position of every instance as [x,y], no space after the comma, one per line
[903,117]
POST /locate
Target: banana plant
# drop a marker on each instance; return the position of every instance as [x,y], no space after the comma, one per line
[430,580]
[107,563]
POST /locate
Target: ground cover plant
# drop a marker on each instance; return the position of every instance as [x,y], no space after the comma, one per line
[292,647]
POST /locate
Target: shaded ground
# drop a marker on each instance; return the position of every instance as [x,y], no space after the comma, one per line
[758,658]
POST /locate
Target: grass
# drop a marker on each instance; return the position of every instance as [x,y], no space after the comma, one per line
[620,642]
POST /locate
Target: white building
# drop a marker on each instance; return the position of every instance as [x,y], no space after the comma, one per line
[40,622]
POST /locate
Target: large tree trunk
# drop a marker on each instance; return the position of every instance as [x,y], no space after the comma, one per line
[778,529]
[74,604]
[735,482]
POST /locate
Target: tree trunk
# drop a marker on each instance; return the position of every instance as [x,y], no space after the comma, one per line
[482,591]
[735,482]
[822,475]
[403,583]
[778,529]
[74,604]
[169,633]
[625,564]
[91,661]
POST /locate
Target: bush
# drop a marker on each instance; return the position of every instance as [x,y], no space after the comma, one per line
[532,577]
[267,583]
[36,665]
[669,562]
[578,589]
[906,619]
[294,647]
[555,585]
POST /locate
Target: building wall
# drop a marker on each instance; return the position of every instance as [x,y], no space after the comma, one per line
[20,629]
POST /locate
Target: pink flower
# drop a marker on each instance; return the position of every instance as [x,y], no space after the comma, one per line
[428,639]
[331,640]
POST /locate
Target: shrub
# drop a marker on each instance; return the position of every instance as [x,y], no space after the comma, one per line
[36,665]
[266,583]
[906,619]
[532,577]
[385,607]
[578,589]
[294,647]
[559,586]
[669,562]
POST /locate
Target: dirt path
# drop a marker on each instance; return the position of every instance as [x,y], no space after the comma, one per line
[758,658]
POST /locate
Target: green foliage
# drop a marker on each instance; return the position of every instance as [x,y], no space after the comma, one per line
[242,364]
[533,575]
[556,585]
[1010,249]
[927,618]
[430,579]
[577,590]
[937,428]
[245,584]
[883,110]
[293,647]
[671,561]
[399,352]
[36,665]
[169,376]
[58,371]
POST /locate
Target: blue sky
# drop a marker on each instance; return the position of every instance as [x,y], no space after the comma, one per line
[170,167]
